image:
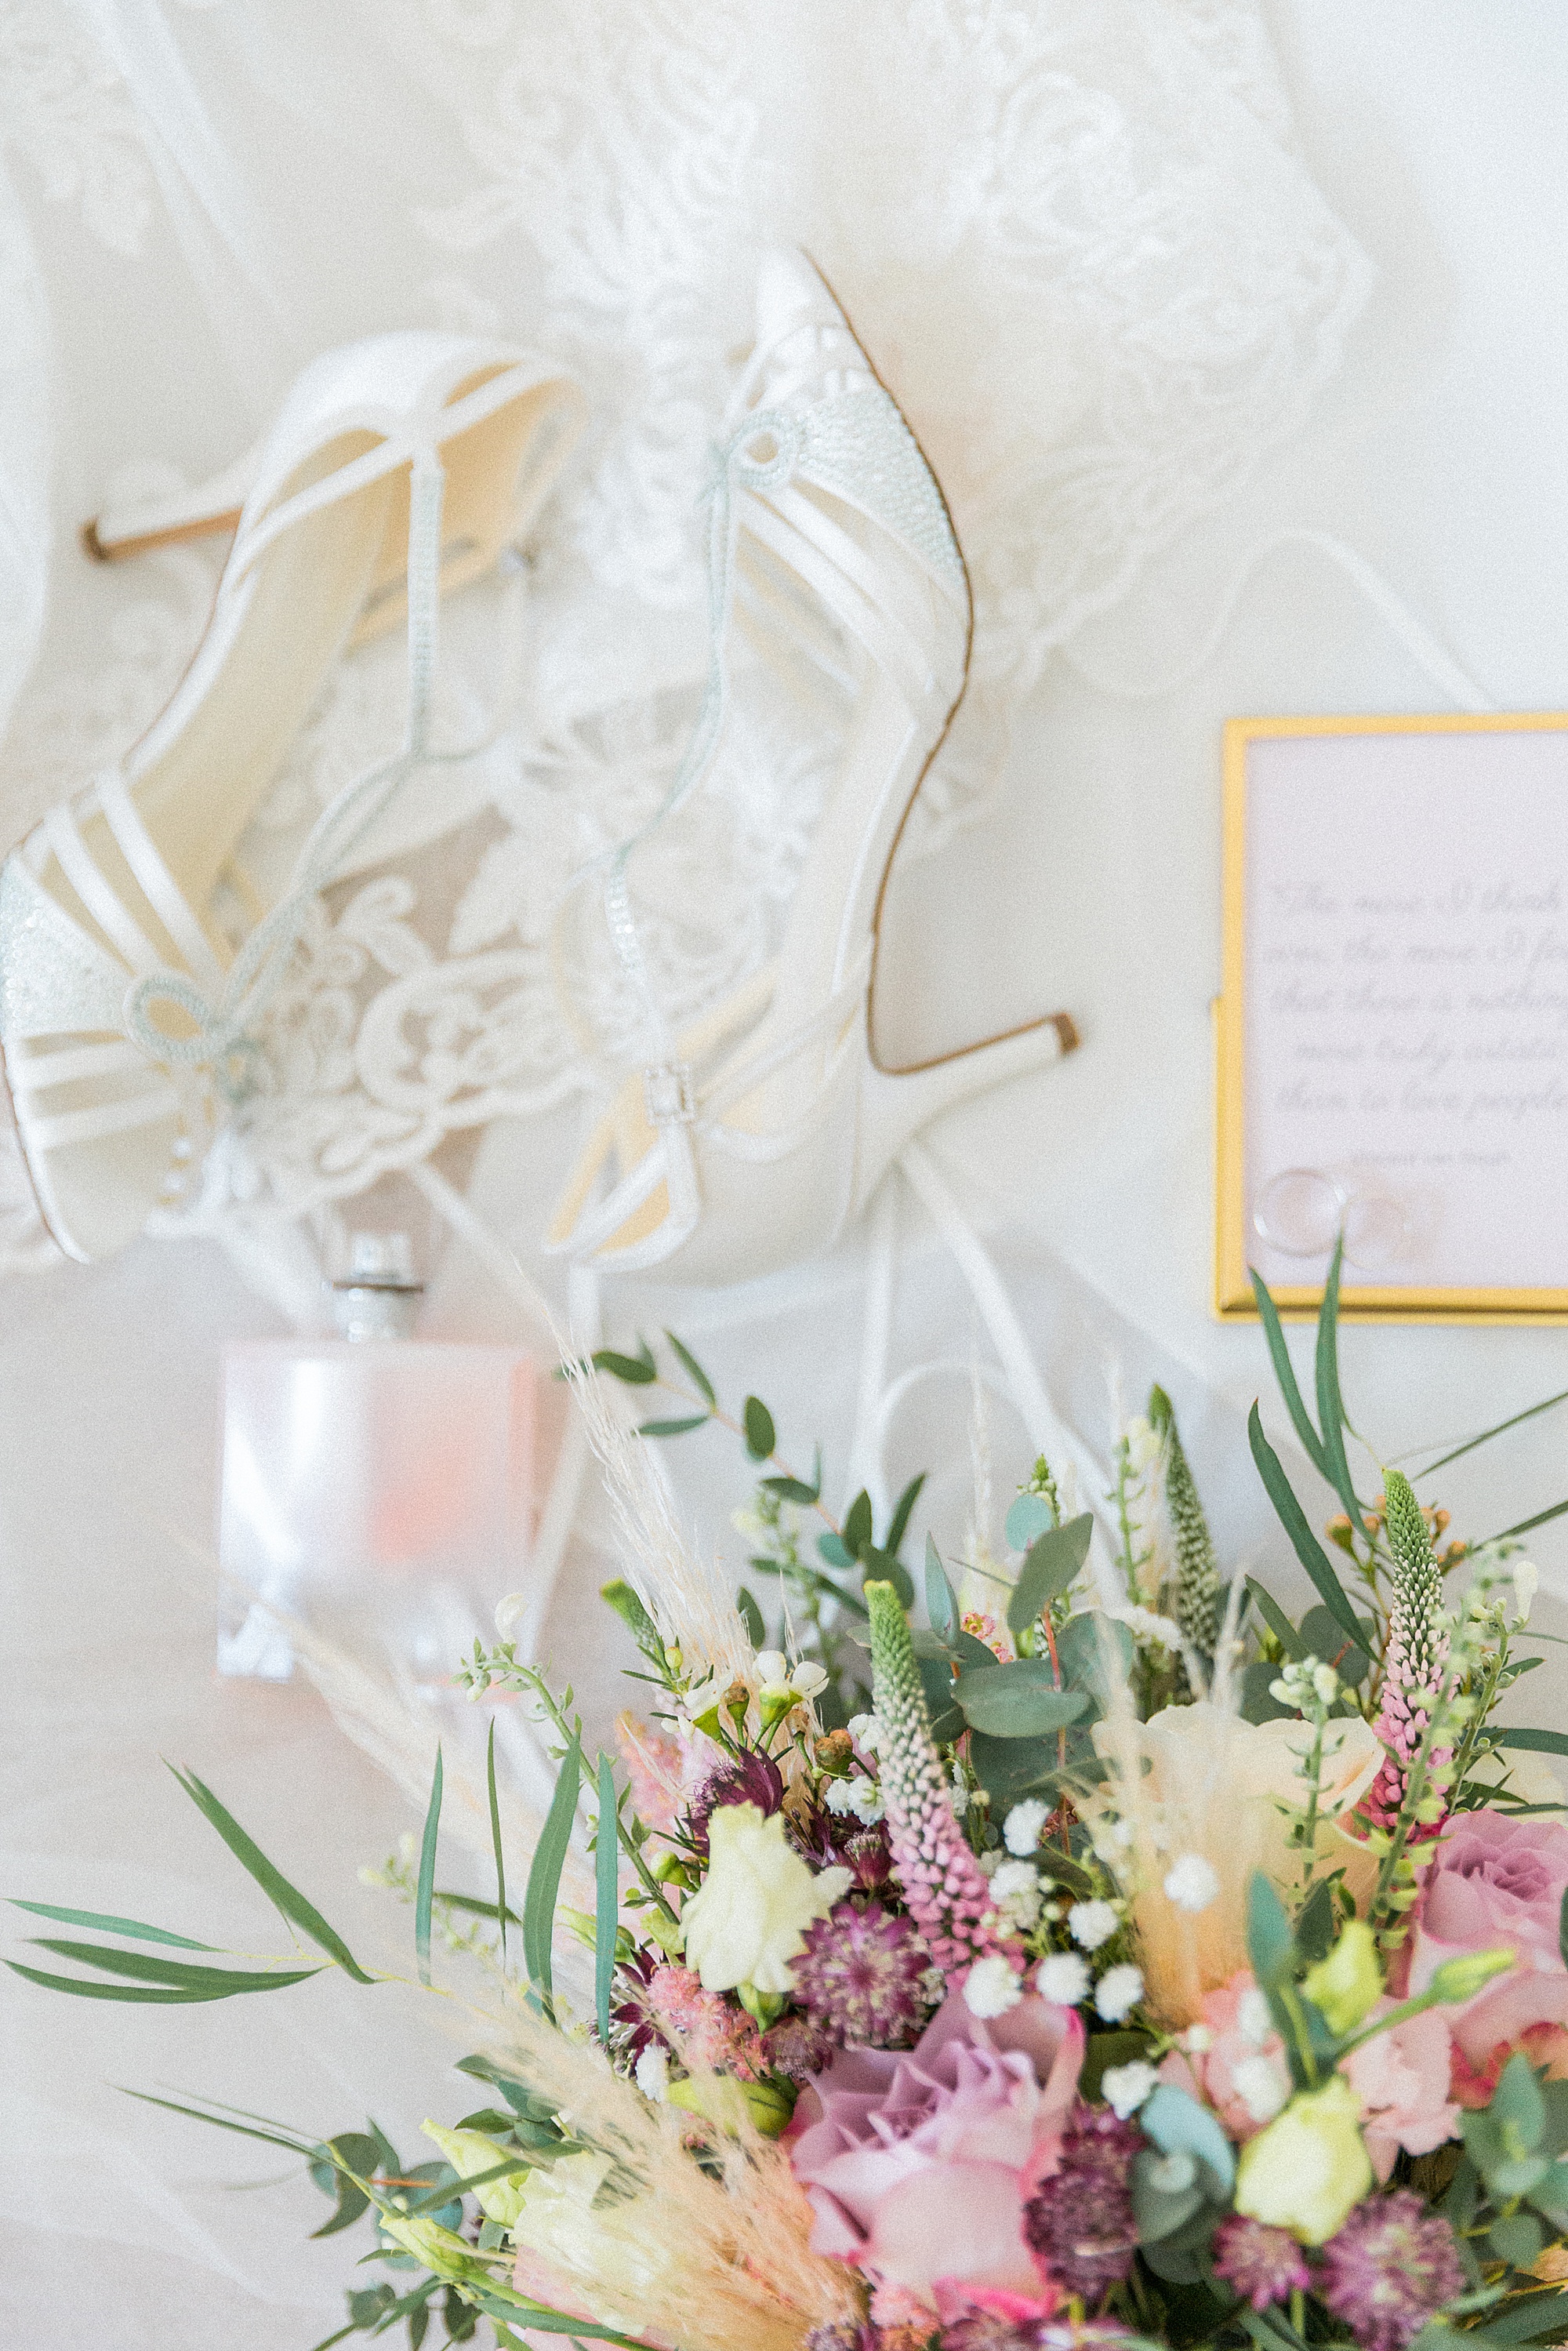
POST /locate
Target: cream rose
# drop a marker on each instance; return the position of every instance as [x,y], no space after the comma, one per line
[1216,1787]
[747,1920]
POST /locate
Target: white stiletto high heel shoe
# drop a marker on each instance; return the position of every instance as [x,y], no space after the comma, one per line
[398,467]
[733,1153]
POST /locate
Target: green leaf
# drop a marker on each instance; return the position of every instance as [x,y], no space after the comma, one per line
[426,1885]
[1269,1945]
[502,1913]
[1487,1434]
[857,1528]
[1030,1516]
[941,1605]
[898,1525]
[283,1897]
[1054,1559]
[760,1435]
[751,1617]
[357,2154]
[108,1925]
[1293,1519]
[1525,1525]
[1103,2049]
[476,1905]
[606,1895]
[692,1368]
[1324,1636]
[544,1878]
[835,1551]
[1562,1929]
[1543,2313]
[673,1427]
[1179,2126]
[1517,2105]
[1284,1372]
[277,2137]
[1314,1925]
[1293,1643]
[791,1490]
[1517,2239]
[353,2150]
[880,1566]
[1536,1742]
[1018,1700]
[201,1983]
[1331,1408]
[636,1370]
[1259,1703]
[166,1997]
[618,1594]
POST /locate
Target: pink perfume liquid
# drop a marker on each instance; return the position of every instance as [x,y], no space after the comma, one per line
[378,1487]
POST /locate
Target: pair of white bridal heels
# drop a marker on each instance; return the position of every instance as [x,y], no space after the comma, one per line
[401,467]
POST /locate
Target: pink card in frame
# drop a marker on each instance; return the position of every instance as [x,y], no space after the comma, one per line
[1393,1026]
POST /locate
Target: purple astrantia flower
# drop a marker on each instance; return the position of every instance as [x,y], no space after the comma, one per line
[797,2047]
[748,1778]
[1260,2264]
[991,2326]
[860,1977]
[1389,2270]
[1081,2222]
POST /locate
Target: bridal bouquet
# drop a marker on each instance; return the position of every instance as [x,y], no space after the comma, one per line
[1107,1960]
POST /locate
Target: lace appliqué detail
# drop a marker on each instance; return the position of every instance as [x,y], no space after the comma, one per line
[64,107]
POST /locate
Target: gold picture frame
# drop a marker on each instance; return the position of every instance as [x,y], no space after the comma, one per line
[1359,1301]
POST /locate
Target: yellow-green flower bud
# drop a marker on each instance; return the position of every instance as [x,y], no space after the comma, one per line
[441,2250]
[1347,1985]
[732,2104]
[1305,2169]
[470,2152]
[1462,1978]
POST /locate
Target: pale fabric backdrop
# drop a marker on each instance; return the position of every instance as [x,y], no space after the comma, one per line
[1181,280]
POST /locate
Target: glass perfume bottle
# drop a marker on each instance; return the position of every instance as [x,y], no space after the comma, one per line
[377,1486]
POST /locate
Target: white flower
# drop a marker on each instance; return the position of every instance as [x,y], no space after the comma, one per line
[1197,2040]
[1090,1924]
[772,1668]
[704,1698]
[1126,2086]
[1325,1681]
[990,1988]
[1526,1577]
[1158,1632]
[1021,1830]
[1017,1888]
[746,1921]
[511,1610]
[1062,1978]
[652,2072]
[808,1679]
[1260,2086]
[858,1796]
[1118,1993]
[867,1732]
[1191,1883]
[1253,2022]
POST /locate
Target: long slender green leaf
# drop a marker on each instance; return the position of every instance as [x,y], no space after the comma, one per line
[283,1897]
[166,1997]
[1274,1616]
[455,2187]
[106,1925]
[1284,1372]
[750,1615]
[606,1888]
[502,1913]
[1293,1519]
[1534,1742]
[220,2122]
[544,1878]
[673,1427]
[629,1368]
[1487,1434]
[211,1983]
[426,1885]
[475,1903]
[898,1525]
[1525,1525]
[693,1368]
[1330,1404]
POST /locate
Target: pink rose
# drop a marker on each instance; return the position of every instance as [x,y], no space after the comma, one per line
[1402,2080]
[918,2162]
[1497,1883]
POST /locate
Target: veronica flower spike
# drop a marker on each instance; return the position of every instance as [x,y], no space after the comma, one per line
[947,1892]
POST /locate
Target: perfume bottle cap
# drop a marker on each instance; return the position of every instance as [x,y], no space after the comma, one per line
[378,1297]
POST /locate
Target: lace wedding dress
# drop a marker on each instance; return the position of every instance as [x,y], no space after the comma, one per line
[1077,239]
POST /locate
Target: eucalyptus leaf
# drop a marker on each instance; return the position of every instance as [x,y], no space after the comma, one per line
[857,1528]
[898,1525]
[751,1617]
[634,1370]
[1027,1518]
[673,1427]
[1054,1559]
[1259,1703]
[1324,1636]
[1270,1946]
[693,1369]
[1014,1702]
[1517,2239]
[760,1435]
[941,1605]
[1178,2124]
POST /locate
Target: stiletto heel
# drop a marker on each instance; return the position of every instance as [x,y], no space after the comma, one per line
[398,468]
[731,1153]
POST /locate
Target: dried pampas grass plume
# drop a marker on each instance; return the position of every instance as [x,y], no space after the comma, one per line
[636,2234]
